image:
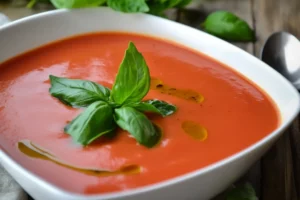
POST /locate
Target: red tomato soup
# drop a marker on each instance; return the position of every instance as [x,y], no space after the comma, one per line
[230,113]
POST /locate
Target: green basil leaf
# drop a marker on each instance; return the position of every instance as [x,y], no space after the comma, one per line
[128,6]
[172,3]
[31,3]
[138,125]
[156,106]
[133,80]
[243,192]
[78,93]
[228,26]
[183,3]
[76,3]
[157,7]
[95,121]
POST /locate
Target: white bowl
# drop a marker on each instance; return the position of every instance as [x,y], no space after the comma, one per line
[34,31]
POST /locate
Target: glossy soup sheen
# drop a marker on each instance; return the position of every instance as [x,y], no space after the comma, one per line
[234,113]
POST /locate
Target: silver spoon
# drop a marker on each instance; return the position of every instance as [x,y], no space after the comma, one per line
[282,52]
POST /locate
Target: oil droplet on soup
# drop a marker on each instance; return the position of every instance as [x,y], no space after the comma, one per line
[195,130]
[33,151]
[189,95]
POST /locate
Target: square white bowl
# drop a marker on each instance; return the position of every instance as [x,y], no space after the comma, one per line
[31,32]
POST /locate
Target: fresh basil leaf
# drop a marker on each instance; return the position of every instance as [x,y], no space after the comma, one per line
[166,3]
[172,3]
[243,192]
[157,7]
[128,6]
[76,3]
[133,80]
[31,3]
[183,3]
[138,125]
[228,26]
[164,108]
[95,121]
[156,106]
[77,93]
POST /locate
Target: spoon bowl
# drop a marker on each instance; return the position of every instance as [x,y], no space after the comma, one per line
[282,52]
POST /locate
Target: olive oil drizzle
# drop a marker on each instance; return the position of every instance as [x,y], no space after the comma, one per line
[195,130]
[189,95]
[33,151]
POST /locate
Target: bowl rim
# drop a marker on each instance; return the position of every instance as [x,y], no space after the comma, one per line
[5,158]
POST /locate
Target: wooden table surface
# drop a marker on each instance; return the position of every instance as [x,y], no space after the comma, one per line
[277,175]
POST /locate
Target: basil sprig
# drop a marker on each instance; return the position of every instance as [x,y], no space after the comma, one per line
[122,106]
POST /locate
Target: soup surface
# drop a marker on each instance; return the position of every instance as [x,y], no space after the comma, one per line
[227,115]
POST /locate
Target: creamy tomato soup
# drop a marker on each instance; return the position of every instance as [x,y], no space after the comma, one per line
[219,113]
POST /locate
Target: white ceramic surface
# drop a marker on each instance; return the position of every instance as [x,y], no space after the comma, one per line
[34,31]
[3,19]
